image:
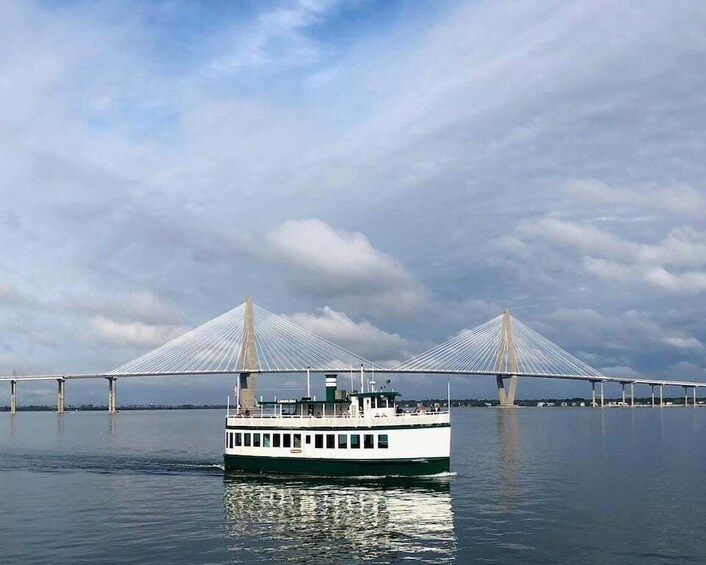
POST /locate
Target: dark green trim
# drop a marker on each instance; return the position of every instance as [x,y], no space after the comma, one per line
[339,428]
[336,467]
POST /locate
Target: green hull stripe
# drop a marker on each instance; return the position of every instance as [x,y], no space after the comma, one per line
[288,465]
[340,429]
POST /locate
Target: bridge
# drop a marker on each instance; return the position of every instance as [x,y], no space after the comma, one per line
[249,340]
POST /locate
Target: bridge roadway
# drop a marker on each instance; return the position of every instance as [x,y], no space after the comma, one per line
[601,380]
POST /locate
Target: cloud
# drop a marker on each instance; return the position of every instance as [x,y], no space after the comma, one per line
[623,339]
[684,342]
[620,371]
[666,265]
[362,337]
[133,334]
[344,265]
[275,41]
[10,296]
[680,200]
[143,306]
[143,153]
[585,238]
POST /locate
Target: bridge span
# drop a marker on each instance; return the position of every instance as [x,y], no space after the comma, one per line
[249,340]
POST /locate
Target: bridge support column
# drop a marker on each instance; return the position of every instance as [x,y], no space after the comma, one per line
[623,387]
[632,395]
[506,397]
[602,394]
[652,387]
[694,390]
[60,395]
[661,396]
[593,393]
[686,396]
[112,396]
[13,397]
[248,359]
[247,390]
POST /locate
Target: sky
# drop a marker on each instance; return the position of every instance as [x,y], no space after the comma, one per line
[386,173]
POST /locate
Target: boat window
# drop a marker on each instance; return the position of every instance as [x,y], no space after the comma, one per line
[382,441]
[246,438]
[297,440]
[342,441]
[275,440]
[355,441]
[265,440]
[319,441]
[256,440]
[330,441]
[238,439]
[308,438]
[286,440]
[229,439]
[368,441]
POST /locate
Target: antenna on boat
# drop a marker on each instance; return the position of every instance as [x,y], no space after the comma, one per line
[362,379]
[237,397]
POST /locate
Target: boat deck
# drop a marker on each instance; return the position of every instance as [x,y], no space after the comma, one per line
[405,419]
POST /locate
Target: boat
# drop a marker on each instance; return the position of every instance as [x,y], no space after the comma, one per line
[358,433]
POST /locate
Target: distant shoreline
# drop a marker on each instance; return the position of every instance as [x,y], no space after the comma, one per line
[407,404]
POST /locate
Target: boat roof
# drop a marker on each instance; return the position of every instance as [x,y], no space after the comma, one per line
[302,401]
[388,393]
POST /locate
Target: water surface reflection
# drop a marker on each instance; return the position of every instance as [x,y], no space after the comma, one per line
[333,521]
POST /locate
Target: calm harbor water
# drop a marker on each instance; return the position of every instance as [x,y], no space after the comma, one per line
[555,485]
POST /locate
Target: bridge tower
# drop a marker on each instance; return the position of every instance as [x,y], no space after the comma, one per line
[506,363]
[248,360]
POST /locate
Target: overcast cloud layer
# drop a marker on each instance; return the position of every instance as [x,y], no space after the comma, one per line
[384,173]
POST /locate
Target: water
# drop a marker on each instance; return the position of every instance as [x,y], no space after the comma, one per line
[553,485]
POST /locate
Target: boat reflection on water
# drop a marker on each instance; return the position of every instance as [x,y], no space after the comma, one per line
[339,520]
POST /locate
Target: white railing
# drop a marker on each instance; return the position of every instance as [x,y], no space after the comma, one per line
[407,418]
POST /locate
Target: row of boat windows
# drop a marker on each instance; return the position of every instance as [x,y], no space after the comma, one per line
[329,441]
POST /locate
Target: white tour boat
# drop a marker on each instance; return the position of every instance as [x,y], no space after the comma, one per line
[349,433]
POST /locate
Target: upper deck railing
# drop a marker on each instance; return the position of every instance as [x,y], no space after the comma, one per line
[254,418]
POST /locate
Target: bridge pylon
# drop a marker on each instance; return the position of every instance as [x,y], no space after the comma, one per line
[506,363]
[248,359]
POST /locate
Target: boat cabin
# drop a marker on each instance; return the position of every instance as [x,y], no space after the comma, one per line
[354,405]
[338,404]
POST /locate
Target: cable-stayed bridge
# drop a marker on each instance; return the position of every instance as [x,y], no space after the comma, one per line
[250,340]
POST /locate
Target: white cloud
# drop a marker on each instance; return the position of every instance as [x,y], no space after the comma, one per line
[609,270]
[133,334]
[135,159]
[362,337]
[680,200]
[684,342]
[277,40]
[583,237]
[344,265]
[660,265]
[145,306]
[691,282]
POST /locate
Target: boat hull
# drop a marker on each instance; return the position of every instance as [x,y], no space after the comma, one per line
[336,467]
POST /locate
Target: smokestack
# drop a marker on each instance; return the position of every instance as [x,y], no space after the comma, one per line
[331,385]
